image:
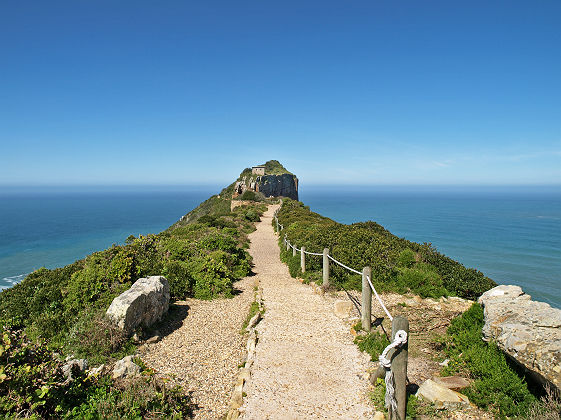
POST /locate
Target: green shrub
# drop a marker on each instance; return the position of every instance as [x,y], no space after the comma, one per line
[372,343]
[423,279]
[213,279]
[94,337]
[496,385]
[180,278]
[252,216]
[248,195]
[397,264]
[406,258]
[31,382]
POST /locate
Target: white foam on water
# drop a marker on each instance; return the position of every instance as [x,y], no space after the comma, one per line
[7,282]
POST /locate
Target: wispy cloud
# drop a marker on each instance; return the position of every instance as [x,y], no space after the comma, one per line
[444,164]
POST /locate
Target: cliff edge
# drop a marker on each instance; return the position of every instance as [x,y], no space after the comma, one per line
[271,180]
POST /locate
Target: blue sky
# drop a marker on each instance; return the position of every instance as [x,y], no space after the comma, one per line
[360,92]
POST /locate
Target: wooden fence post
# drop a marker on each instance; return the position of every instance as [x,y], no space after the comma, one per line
[399,368]
[303,259]
[277,220]
[325,267]
[287,246]
[293,252]
[366,300]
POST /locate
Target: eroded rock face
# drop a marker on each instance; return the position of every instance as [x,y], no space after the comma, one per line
[142,305]
[527,331]
[285,185]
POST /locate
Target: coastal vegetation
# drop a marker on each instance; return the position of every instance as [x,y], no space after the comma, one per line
[404,267]
[398,265]
[53,313]
[496,385]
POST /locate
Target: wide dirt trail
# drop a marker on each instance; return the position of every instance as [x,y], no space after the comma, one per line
[306,365]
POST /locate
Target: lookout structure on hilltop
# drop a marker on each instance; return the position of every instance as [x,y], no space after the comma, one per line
[258,170]
[268,180]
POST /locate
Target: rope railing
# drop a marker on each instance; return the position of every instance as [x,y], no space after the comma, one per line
[378,298]
[343,265]
[319,254]
[400,329]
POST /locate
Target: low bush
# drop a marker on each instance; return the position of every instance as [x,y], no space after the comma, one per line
[248,195]
[63,310]
[397,264]
[65,306]
[32,385]
[372,343]
[496,384]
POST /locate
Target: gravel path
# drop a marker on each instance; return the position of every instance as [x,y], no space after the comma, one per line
[202,347]
[306,365]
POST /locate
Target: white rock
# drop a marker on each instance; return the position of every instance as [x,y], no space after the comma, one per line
[73,365]
[142,305]
[529,332]
[125,368]
[442,397]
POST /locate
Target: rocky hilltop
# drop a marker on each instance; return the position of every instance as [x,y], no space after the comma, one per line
[271,180]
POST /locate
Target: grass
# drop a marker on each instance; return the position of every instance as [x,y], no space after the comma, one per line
[496,385]
[253,309]
[372,343]
[416,407]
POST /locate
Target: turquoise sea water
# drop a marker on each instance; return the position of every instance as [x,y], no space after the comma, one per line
[512,235]
[55,227]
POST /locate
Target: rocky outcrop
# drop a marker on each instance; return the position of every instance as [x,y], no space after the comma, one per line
[283,185]
[142,305]
[527,331]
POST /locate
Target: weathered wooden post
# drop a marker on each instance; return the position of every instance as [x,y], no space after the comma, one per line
[303,259]
[277,220]
[399,368]
[366,299]
[294,251]
[325,267]
[286,242]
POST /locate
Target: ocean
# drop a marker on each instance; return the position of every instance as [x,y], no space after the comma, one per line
[513,235]
[52,227]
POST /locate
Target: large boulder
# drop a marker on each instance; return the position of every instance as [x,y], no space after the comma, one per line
[528,331]
[142,305]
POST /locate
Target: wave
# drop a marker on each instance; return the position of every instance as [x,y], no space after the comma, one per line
[9,281]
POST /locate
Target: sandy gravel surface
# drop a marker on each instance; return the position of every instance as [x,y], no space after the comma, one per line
[306,365]
[202,347]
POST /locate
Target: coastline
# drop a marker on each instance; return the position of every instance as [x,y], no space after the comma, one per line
[507,260]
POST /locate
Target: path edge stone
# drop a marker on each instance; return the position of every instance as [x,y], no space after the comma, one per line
[244,374]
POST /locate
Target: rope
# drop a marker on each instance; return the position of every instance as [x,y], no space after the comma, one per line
[343,265]
[399,339]
[314,253]
[379,299]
